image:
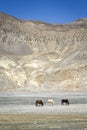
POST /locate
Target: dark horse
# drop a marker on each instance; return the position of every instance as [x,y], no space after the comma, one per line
[64,101]
[39,103]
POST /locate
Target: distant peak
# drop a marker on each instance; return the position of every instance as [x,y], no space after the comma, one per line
[3,14]
[7,16]
[80,22]
[81,19]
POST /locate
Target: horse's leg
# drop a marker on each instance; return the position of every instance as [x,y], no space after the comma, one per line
[68,102]
[36,104]
[42,104]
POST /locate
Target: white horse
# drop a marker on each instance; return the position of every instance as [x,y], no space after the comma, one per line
[50,101]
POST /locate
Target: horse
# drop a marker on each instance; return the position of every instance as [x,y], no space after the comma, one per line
[39,103]
[50,101]
[64,101]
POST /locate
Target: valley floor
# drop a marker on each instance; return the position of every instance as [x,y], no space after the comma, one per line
[42,122]
[18,111]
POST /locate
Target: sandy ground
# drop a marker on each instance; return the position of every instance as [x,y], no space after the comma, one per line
[18,111]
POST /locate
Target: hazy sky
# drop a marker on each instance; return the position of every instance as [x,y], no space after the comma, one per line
[51,11]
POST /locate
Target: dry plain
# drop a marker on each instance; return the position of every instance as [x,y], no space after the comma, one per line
[18,111]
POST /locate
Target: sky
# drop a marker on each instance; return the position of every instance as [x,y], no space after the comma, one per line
[50,11]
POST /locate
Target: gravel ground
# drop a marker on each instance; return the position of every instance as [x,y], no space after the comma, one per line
[18,111]
[25,103]
[56,109]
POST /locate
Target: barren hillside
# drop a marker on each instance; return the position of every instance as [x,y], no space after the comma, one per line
[37,56]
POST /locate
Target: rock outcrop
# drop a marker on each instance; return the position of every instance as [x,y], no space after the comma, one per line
[37,56]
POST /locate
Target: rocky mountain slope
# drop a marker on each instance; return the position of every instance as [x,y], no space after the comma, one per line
[37,56]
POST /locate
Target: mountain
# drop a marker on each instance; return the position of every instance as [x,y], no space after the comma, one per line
[37,56]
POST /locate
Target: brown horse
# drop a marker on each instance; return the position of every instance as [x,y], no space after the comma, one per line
[39,103]
[64,101]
